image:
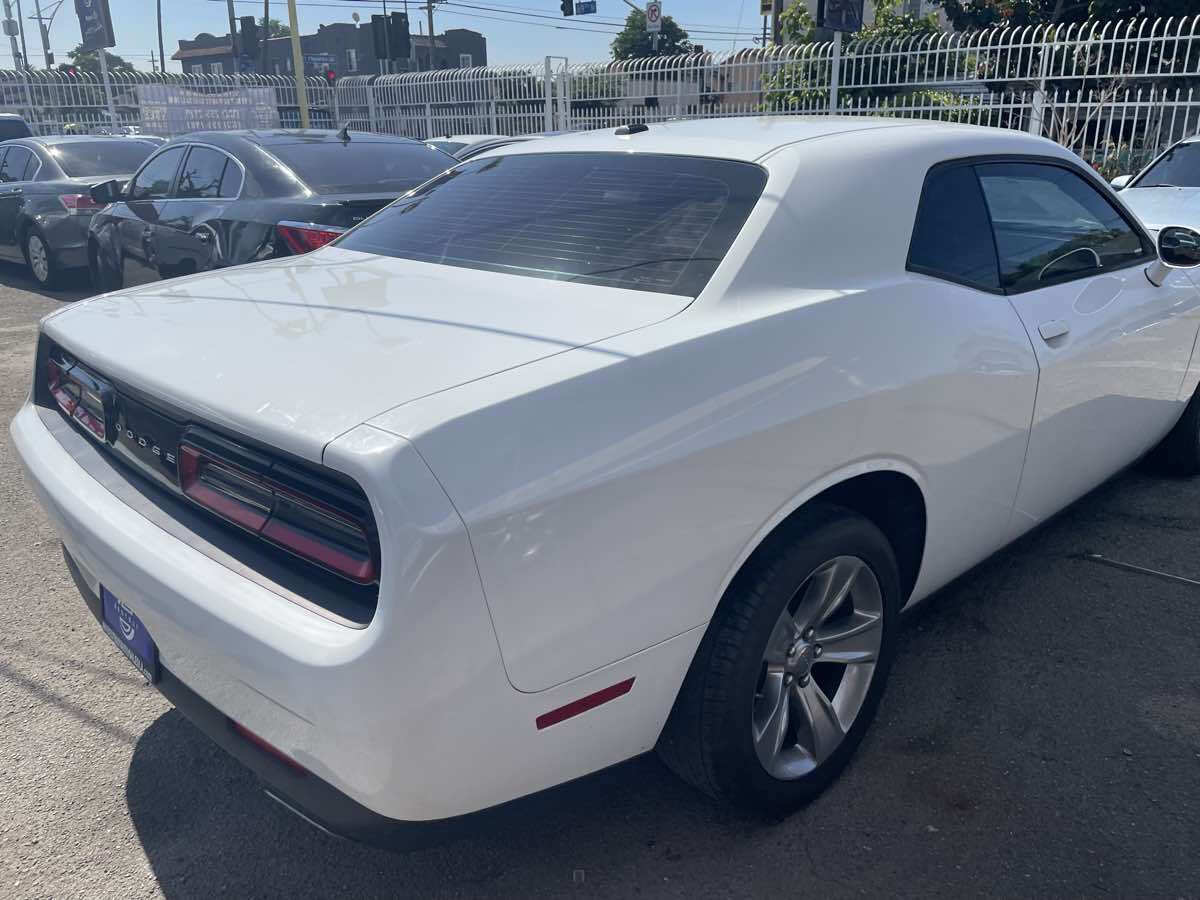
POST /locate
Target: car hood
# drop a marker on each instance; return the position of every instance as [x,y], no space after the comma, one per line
[297,351]
[1159,206]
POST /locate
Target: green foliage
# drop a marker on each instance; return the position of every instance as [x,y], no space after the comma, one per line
[975,14]
[274,28]
[633,42]
[89,61]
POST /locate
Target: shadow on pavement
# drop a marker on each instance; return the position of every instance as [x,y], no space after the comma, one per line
[75,285]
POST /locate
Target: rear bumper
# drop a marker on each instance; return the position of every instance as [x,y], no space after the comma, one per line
[410,721]
[67,236]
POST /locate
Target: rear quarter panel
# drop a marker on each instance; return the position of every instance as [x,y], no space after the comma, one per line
[612,492]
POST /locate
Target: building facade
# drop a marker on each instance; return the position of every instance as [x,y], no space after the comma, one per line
[344,48]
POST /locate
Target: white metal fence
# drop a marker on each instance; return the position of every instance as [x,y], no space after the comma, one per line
[1115,92]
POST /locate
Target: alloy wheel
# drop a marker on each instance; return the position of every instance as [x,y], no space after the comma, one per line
[817,667]
[39,258]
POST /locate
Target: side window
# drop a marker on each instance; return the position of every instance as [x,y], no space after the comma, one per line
[231,181]
[1052,226]
[201,174]
[153,182]
[952,238]
[13,166]
[31,167]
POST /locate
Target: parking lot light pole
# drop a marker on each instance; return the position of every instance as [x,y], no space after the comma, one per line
[298,65]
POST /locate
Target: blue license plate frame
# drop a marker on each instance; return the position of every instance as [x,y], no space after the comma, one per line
[128,632]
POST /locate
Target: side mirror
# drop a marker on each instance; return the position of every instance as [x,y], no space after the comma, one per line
[106,192]
[1120,181]
[1178,248]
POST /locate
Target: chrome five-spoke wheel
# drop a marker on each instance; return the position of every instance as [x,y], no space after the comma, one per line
[817,667]
[39,258]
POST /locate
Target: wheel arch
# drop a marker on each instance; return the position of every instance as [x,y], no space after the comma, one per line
[887,492]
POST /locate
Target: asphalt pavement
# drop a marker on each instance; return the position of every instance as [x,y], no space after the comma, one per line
[1040,736]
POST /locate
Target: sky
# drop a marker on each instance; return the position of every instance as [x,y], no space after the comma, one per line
[514,31]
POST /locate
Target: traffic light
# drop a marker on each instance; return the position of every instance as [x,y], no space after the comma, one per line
[330,76]
[399,37]
[379,36]
[249,35]
[567,7]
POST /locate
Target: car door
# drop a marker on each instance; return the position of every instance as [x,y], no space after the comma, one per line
[145,201]
[191,234]
[1112,348]
[13,161]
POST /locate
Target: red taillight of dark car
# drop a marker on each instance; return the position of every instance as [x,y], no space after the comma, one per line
[303,237]
[79,395]
[332,538]
[78,204]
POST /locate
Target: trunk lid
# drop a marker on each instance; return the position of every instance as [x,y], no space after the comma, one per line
[297,351]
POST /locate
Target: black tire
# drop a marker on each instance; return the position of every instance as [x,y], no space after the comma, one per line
[708,737]
[1179,452]
[103,278]
[51,275]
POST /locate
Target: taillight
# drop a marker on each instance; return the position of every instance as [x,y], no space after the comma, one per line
[335,539]
[302,237]
[78,204]
[80,395]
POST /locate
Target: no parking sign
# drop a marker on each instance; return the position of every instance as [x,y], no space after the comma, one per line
[654,17]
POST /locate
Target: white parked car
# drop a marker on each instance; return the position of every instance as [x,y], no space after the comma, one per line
[627,440]
[1168,190]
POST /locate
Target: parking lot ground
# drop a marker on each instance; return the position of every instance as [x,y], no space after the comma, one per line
[1040,736]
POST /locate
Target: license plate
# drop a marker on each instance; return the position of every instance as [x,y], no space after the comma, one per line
[130,635]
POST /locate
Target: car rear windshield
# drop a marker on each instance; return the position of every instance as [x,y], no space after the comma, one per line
[110,156]
[646,222]
[1178,167]
[360,167]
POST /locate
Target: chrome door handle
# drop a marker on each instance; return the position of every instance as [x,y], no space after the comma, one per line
[1055,328]
[203,236]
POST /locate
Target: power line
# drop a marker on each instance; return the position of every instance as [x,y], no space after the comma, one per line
[456,3]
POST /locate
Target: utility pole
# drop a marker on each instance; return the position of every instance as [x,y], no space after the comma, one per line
[46,54]
[21,28]
[12,38]
[153,66]
[162,54]
[429,10]
[266,35]
[233,41]
[298,65]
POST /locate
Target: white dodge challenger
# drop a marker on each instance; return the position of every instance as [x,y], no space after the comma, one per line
[613,441]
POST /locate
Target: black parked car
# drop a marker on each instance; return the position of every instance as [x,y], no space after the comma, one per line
[214,199]
[45,204]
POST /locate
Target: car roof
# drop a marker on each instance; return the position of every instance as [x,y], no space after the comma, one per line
[466,138]
[741,138]
[277,136]
[49,140]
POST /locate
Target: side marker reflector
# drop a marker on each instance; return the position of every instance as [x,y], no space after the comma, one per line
[583,704]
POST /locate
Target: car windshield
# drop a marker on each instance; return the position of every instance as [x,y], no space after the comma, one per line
[646,222]
[1178,167]
[362,166]
[85,159]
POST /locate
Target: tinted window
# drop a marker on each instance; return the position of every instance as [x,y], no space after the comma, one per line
[105,157]
[1051,225]
[154,181]
[31,167]
[14,128]
[651,223]
[13,166]
[203,174]
[1178,167]
[362,166]
[952,237]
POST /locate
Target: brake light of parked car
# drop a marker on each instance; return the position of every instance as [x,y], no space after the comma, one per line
[302,237]
[79,395]
[332,538]
[78,204]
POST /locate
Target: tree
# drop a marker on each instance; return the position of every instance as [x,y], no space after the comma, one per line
[974,14]
[89,61]
[273,28]
[633,42]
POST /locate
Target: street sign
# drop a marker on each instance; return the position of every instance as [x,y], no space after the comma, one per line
[843,15]
[585,7]
[95,24]
[654,17]
[766,7]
